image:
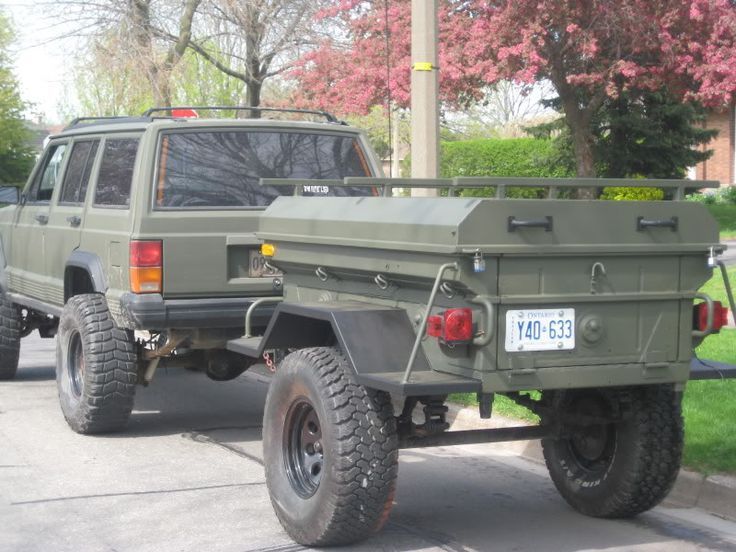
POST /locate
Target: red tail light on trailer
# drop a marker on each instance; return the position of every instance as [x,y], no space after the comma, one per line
[700,316]
[453,326]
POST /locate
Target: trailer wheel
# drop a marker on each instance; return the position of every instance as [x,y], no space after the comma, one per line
[10,323]
[330,450]
[620,469]
[95,367]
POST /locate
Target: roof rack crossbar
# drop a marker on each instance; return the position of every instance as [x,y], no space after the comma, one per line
[328,116]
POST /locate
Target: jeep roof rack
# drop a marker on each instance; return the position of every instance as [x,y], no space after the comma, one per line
[115,119]
[328,116]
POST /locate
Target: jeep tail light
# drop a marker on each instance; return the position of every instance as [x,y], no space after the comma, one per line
[146,266]
[452,326]
[700,316]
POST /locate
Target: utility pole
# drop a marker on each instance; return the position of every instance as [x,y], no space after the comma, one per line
[425,124]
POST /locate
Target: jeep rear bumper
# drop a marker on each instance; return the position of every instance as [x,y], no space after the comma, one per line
[153,312]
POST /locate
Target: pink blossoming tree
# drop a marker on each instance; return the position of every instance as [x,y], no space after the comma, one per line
[588,49]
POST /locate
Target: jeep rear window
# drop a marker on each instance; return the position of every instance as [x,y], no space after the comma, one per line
[223,168]
[116,172]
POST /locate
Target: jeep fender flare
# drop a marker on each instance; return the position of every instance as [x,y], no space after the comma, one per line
[91,264]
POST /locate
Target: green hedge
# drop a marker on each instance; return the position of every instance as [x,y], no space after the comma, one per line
[619,193]
[528,157]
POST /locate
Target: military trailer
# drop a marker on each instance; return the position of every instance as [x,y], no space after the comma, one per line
[586,312]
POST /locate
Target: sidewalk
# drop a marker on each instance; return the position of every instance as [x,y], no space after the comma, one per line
[715,493]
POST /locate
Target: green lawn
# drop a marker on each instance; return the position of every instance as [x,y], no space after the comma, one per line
[726,217]
[709,407]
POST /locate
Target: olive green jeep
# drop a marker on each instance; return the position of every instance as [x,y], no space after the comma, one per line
[134,241]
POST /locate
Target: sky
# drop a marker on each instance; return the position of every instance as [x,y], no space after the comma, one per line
[39,64]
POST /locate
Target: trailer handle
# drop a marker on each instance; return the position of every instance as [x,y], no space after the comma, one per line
[251,309]
[709,320]
[514,223]
[671,223]
[488,310]
[423,325]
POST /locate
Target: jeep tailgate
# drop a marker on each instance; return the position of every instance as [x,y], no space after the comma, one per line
[210,254]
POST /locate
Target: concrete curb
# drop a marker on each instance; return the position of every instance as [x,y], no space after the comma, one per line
[714,493]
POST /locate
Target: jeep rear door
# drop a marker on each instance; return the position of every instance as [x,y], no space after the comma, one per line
[207,200]
[63,231]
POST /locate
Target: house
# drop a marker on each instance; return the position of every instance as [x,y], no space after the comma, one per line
[722,164]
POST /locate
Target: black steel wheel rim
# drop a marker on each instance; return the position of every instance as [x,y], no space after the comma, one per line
[304,455]
[75,362]
[593,446]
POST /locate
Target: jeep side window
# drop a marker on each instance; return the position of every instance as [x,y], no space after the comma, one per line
[116,172]
[45,182]
[76,179]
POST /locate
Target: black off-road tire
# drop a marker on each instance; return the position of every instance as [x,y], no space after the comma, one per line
[314,403]
[222,365]
[621,469]
[95,367]
[10,324]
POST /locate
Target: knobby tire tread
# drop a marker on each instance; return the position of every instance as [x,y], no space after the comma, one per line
[111,367]
[654,462]
[10,327]
[368,448]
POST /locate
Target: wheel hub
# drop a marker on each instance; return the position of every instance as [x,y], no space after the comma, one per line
[592,445]
[76,364]
[304,452]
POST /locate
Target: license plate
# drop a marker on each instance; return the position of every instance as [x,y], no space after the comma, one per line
[258,266]
[540,330]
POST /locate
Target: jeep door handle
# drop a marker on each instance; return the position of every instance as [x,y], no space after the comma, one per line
[41,218]
[74,220]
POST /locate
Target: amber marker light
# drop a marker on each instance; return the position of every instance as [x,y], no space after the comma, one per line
[268,250]
[146,266]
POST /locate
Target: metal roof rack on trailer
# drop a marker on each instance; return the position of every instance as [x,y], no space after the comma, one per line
[500,184]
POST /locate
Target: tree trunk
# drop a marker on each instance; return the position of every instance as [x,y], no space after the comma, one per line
[583,145]
[164,89]
[579,122]
[253,96]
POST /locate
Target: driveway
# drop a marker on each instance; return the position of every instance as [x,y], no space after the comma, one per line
[188,475]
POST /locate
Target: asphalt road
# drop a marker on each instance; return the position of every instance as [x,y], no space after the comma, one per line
[729,256]
[188,475]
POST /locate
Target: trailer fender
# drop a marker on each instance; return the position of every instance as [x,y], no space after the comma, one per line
[374,339]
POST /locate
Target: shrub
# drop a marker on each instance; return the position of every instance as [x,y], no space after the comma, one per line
[727,195]
[721,196]
[618,193]
[707,199]
[522,157]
